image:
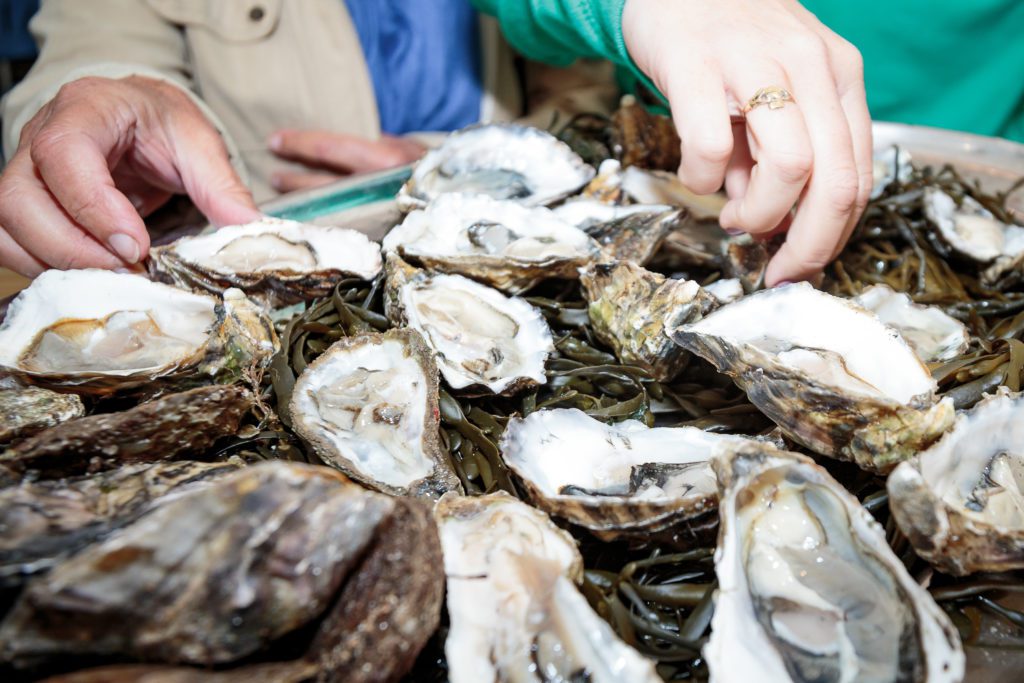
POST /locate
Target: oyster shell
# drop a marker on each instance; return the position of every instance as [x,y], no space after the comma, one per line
[619,480]
[625,233]
[156,589]
[500,243]
[277,262]
[100,332]
[500,160]
[828,372]
[809,589]
[663,187]
[630,309]
[368,406]
[515,611]
[961,502]
[725,291]
[934,335]
[889,165]
[971,230]
[27,410]
[484,342]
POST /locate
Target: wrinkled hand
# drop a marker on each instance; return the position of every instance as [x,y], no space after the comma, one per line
[709,58]
[331,156]
[96,159]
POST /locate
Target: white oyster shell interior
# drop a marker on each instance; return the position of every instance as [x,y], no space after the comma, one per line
[476,225]
[98,321]
[585,213]
[971,229]
[725,290]
[275,245]
[889,164]
[479,335]
[933,334]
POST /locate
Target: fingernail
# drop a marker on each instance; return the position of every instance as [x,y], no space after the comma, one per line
[125,247]
[733,232]
[275,141]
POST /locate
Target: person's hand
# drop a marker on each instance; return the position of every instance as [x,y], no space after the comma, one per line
[98,157]
[709,58]
[331,156]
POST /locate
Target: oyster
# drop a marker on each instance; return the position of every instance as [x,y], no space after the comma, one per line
[961,502]
[663,187]
[501,243]
[368,406]
[500,160]
[828,372]
[515,611]
[484,342]
[276,261]
[27,410]
[625,233]
[101,332]
[630,309]
[725,291]
[890,164]
[157,589]
[809,589]
[619,480]
[934,335]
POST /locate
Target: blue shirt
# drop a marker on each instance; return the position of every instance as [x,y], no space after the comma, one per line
[424,59]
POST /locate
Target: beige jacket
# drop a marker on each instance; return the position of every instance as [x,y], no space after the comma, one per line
[255,66]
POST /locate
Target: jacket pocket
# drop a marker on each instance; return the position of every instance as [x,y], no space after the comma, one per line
[237,21]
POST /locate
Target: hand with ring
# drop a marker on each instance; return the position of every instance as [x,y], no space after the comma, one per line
[804,137]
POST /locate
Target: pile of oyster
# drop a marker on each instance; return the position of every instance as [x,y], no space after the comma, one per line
[144,538]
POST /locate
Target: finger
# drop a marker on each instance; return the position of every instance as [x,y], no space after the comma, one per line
[17,259]
[696,96]
[143,196]
[343,153]
[737,173]
[290,181]
[780,145]
[853,100]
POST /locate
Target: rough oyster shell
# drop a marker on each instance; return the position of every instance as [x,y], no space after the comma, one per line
[500,243]
[828,372]
[630,308]
[27,410]
[100,332]
[484,342]
[500,160]
[368,406]
[809,589]
[625,233]
[515,611]
[934,335]
[277,262]
[960,503]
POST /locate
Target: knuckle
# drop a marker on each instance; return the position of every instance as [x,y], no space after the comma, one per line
[84,205]
[792,166]
[815,258]
[708,149]
[850,57]
[809,46]
[843,191]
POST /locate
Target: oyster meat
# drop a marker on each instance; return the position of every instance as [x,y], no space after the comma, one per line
[484,341]
[500,160]
[828,372]
[618,480]
[276,261]
[933,334]
[101,332]
[501,243]
[368,406]
[515,611]
[809,589]
[27,410]
[630,308]
[961,502]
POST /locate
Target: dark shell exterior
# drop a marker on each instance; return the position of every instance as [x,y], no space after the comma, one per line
[27,410]
[636,236]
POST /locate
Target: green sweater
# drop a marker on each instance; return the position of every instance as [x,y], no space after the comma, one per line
[955,64]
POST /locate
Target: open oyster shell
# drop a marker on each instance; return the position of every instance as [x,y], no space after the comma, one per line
[100,332]
[368,406]
[500,160]
[961,502]
[828,372]
[809,589]
[500,243]
[630,308]
[515,611]
[484,341]
[275,261]
[933,334]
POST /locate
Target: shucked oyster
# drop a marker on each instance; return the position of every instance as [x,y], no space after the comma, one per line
[515,613]
[500,160]
[483,341]
[961,502]
[617,480]
[100,332]
[630,308]
[809,589]
[501,243]
[934,335]
[828,372]
[368,406]
[276,261]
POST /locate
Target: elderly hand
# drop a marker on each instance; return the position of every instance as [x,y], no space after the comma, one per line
[96,159]
[709,58]
[330,156]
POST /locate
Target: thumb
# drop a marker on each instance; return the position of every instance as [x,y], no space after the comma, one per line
[212,182]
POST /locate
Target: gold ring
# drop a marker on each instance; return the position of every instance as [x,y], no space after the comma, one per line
[774,96]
